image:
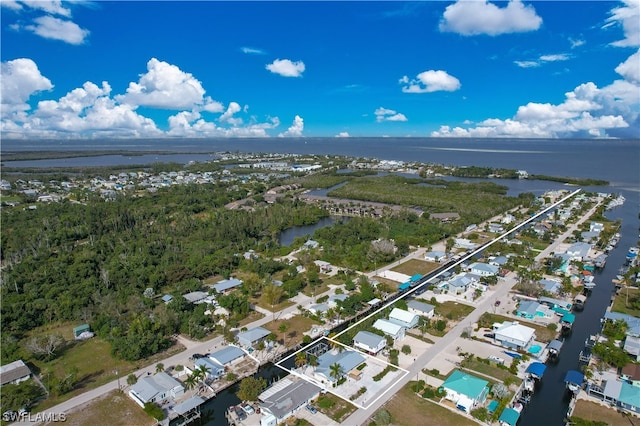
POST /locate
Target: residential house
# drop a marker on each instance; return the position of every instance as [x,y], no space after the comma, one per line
[507,219]
[252,337]
[550,286]
[435,256]
[214,369]
[463,243]
[369,342]
[531,309]
[390,328]
[196,297]
[228,356]
[284,397]
[14,373]
[319,309]
[483,269]
[226,285]
[496,228]
[348,360]
[444,217]
[541,228]
[631,373]
[155,389]
[633,323]
[325,267]
[596,227]
[465,391]
[334,299]
[632,347]
[499,261]
[578,251]
[311,244]
[404,318]
[167,298]
[420,308]
[458,284]
[513,334]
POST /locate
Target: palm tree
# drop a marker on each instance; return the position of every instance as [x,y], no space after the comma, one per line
[283,329]
[190,381]
[301,359]
[313,360]
[159,367]
[335,371]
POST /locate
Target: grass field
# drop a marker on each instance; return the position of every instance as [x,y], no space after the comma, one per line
[416,266]
[112,409]
[453,310]
[334,407]
[490,370]
[297,326]
[624,299]
[408,409]
[592,411]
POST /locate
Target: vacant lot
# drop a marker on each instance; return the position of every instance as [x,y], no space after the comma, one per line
[408,409]
[453,310]
[295,327]
[415,266]
[334,407]
[592,411]
[114,408]
[625,300]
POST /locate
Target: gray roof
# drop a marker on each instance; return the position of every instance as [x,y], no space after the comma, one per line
[369,339]
[227,355]
[149,386]
[348,360]
[224,285]
[254,334]
[13,371]
[211,365]
[633,323]
[195,296]
[632,345]
[420,306]
[188,405]
[529,307]
[287,395]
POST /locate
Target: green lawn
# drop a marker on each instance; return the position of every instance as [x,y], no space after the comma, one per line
[334,407]
[543,334]
[490,370]
[416,266]
[453,310]
[627,302]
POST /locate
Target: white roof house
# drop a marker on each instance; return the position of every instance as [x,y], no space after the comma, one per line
[228,355]
[390,328]
[404,318]
[224,285]
[369,342]
[459,283]
[579,251]
[253,336]
[215,370]
[513,334]
[155,388]
[483,269]
[435,256]
[420,308]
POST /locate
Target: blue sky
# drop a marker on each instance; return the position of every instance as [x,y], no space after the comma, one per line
[320,69]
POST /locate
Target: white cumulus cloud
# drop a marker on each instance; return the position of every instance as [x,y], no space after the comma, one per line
[53,7]
[430,81]
[629,17]
[481,17]
[543,59]
[384,114]
[58,29]
[166,86]
[228,117]
[630,69]
[343,135]
[21,78]
[286,67]
[296,128]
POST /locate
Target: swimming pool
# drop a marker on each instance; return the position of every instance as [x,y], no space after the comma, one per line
[534,349]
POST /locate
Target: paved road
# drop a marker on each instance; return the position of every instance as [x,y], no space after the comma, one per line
[362,416]
[359,416]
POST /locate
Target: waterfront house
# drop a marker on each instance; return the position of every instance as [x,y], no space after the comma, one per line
[404,318]
[632,347]
[369,342]
[499,261]
[458,284]
[334,299]
[214,369]
[420,308]
[578,251]
[513,334]
[14,373]
[465,391]
[155,388]
[252,337]
[228,356]
[631,374]
[483,269]
[633,323]
[319,309]
[284,397]
[347,360]
[531,309]
[390,328]
[509,417]
[550,286]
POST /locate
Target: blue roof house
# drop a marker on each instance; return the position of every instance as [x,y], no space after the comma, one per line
[629,398]
[228,355]
[465,390]
[214,369]
[224,285]
[252,337]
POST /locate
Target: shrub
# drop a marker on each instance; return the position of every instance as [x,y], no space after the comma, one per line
[154,411]
[406,349]
[428,393]
[325,403]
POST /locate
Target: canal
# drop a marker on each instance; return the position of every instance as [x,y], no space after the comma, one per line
[550,402]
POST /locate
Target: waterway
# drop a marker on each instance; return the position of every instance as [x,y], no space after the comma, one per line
[287,237]
[550,403]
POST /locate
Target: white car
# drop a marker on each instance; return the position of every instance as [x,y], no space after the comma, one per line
[496,359]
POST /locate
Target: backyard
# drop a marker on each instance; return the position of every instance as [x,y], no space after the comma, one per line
[295,327]
[595,412]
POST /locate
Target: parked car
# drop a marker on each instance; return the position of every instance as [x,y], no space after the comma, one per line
[196,356]
[497,303]
[240,413]
[247,408]
[311,409]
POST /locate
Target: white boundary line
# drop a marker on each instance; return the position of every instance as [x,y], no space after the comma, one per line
[453,265]
[324,387]
[405,294]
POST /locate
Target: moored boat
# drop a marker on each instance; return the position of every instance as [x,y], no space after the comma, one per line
[579,301]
